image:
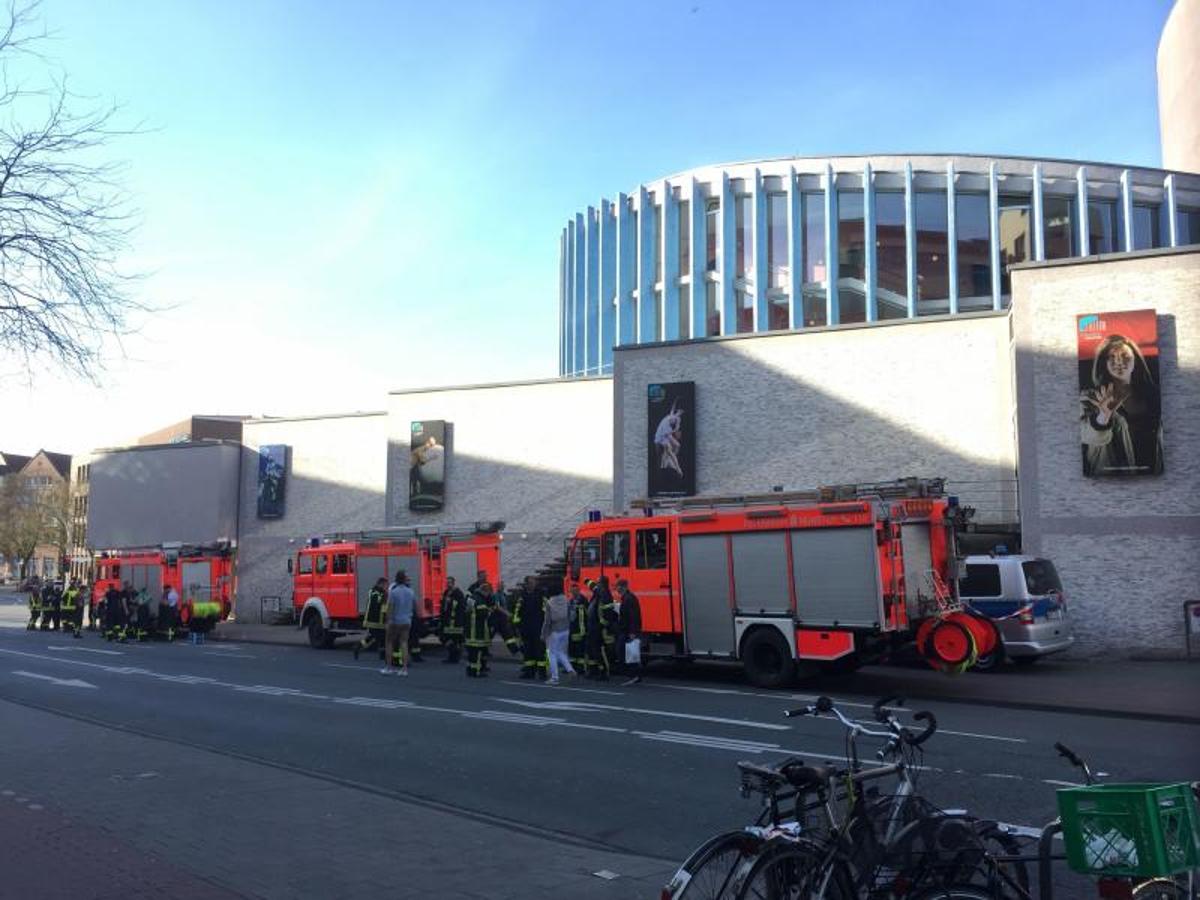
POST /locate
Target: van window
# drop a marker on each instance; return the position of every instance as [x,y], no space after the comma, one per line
[616,548]
[341,564]
[305,567]
[1041,577]
[983,580]
[322,563]
[652,548]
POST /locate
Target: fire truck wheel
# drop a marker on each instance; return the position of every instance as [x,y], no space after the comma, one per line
[318,637]
[767,658]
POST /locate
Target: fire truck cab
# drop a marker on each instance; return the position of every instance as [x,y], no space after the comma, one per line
[199,574]
[779,582]
[332,578]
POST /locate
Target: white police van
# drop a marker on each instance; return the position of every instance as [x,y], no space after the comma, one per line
[1023,596]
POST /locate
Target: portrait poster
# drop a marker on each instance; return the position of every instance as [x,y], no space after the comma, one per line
[671,439]
[427,466]
[272,480]
[1120,398]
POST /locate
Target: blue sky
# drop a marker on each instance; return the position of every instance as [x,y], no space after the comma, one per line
[340,199]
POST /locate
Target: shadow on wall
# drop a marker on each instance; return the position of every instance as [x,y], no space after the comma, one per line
[541,508]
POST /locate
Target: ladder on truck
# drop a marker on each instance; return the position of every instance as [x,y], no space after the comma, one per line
[900,489]
[413,532]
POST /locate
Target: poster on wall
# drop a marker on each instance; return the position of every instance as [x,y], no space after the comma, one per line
[427,466]
[671,429]
[1119,396]
[272,480]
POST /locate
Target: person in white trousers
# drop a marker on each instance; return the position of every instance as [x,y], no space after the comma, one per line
[556,624]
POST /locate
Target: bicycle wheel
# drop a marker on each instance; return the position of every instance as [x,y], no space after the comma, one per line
[1002,848]
[796,871]
[958,892]
[711,872]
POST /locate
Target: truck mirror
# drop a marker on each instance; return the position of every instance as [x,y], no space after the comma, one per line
[289,565]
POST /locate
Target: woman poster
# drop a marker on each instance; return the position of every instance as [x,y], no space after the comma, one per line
[1120,402]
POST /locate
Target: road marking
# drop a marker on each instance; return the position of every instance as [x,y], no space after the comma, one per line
[604,707]
[1056,783]
[90,650]
[379,702]
[62,682]
[231,655]
[360,668]
[561,687]
[1003,775]
[705,742]
[496,715]
[984,737]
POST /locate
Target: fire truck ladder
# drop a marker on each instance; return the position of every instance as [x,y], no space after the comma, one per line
[900,489]
[414,532]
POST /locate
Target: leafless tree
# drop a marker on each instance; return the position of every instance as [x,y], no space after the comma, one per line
[64,218]
[22,522]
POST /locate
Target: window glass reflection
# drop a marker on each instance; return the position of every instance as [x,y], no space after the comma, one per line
[657,243]
[685,237]
[1187,226]
[655,332]
[812,217]
[933,275]
[891,284]
[1145,227]
[744,220]
[1102,226]
[777,312]
[1059,216]
[1016,238]
[851,284]
[712,229]
[712,309]
[777,234]
[637,243]
[685,311]
[744,303]
[973,251]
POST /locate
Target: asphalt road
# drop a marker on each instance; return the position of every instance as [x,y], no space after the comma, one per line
[620,773]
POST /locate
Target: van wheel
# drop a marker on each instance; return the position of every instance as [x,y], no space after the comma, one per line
[318,637]
[991,662]
[768,659]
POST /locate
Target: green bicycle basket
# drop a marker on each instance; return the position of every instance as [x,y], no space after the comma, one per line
[1143,830]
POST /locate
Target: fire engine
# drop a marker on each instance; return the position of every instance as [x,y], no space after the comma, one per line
[792,582]
[332,578]
[200,573]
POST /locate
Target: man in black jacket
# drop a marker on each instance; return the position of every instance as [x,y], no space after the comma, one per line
[629,627]
[528,615]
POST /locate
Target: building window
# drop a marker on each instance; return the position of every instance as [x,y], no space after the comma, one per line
[744,219]
[656,334]
[1059,216]
[777,240]
[712,309]
[1145,227]
[777,311]
[933,276]
[974,276]
[852,272]
[657,243]
[816,272]
[891,263]
[637,243]
[685,311]
[712,231]
[1187,226]
[685,237]
[1016,216]
[1102,227]
[744,301]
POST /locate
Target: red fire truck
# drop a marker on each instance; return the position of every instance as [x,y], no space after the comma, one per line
[198,573]
[792,582]
[332,579]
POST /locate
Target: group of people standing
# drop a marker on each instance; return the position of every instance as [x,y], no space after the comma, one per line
[125,613]
[59,607]
[591,637]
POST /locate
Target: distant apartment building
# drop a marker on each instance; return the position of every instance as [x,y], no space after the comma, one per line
[44,474]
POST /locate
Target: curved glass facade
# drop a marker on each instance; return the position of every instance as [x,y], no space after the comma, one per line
[804,243]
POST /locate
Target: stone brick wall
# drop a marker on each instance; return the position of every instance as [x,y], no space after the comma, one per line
[537,455]
[336,479]
[929,398]
[1128,550]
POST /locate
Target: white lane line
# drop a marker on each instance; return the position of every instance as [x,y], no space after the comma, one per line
[560,687]
[359,668]
[983,737]
[565,724]
[61,682]
[231,655]
[89,650]
[721,740]
[1003,775]
[605,707]
[705,742]
[515,718]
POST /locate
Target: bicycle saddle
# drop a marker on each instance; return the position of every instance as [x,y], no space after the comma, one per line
[809,777]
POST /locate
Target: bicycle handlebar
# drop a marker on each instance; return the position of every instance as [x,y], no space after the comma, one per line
[1068,754]
[930,727]
[881,715]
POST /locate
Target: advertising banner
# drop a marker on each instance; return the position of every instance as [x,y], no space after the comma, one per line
[272,480]
[427,466]
[1120,400]
[671,444]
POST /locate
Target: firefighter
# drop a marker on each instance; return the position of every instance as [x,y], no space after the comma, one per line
[51,597]
[375,619]
[415,632]
[93,606]
[481,609]
[114,614]
[35,608]
[480,578]
[528,615]
[71,611]
[577,636]
[453,619]
[140,615]
[168,613]
[601,626]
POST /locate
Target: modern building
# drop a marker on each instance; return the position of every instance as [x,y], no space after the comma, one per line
[197,428]
[46,485]
[1179,87]
[800,243]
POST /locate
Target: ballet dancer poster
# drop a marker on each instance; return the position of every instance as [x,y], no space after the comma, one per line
[671,433]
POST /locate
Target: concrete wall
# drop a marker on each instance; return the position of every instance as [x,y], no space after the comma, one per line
[534,454]
[1179,87]
[336,478]
[927,398]
[1128,550]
